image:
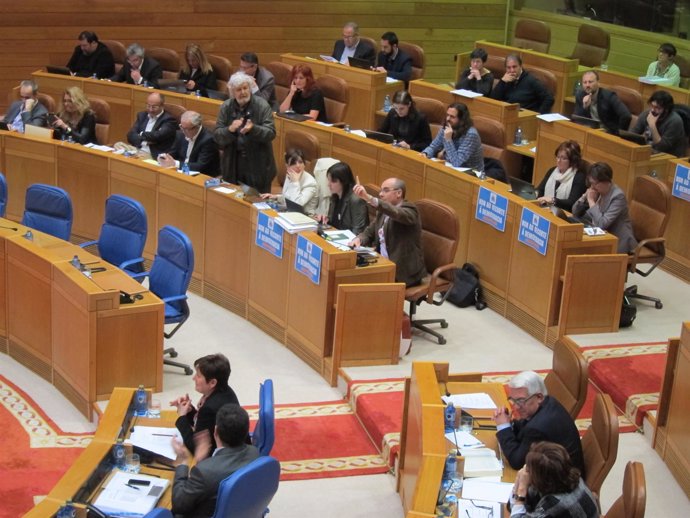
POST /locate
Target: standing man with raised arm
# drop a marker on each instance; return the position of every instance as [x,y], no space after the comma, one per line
[244,131]
[91,57]
[396,233]
[352,45]
[138,69]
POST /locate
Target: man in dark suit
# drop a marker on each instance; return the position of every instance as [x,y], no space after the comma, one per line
[193,145]
[28,110]
[211,381]
[138,69]
[154,130]
[194,492]
[264,83]
[351,45]
[91,57]
[393,61]
[396,233]
[537,417]
[600,104]
[519,86]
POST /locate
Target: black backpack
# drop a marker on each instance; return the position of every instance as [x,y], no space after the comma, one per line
[466,289]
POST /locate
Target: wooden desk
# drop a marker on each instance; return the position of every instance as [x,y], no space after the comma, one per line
[677,260]
[367,88]
[424,448]
[85,343]
[84,478]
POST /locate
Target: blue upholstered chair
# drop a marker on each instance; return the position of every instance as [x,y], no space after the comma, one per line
[123,234]
[3,195]
[48,209]
[264,431]
[169,279]
[159,512]
[247,492]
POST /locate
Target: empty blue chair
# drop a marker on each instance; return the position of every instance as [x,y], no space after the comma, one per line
[48,209]
[123,234]
[169,279]
[248,491]
[264,431]
[158,512]
[3,195]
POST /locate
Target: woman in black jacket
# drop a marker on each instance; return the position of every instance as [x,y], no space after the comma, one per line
[408,126]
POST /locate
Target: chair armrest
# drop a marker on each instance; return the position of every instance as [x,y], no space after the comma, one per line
[140,275]
[88,243]
[636,253]
[174,298]
[434,276]
[125,264]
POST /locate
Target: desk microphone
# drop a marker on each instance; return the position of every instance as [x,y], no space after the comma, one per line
[10,228]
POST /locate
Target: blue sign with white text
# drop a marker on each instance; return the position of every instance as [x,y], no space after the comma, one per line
[681,183]
[308,259]
[534,230]
[269,235]
[492,208]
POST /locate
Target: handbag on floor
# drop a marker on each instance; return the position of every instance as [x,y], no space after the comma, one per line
[628,313]
[466,289]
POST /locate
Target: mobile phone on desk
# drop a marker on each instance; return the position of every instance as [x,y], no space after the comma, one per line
[137,482]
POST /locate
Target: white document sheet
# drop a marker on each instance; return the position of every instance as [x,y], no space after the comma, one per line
[478,509]
[482,489]
[155,439]
[120,499]
[477,400]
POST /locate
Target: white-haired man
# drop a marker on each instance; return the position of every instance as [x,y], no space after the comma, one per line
[536,417]
[244,131]
[193,146]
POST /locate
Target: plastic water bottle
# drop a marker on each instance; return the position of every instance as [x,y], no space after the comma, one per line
[387,103]
[604,66]
[141,404]
[197,93]
[451,485]
[67,510]
[449,417]
[347,128]
[518,137]
[94,76]
[119,454]
[76,262]
[185,168]
[29,235]
[578,87]
[212,182]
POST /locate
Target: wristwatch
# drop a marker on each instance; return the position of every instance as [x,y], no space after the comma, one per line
[519,498]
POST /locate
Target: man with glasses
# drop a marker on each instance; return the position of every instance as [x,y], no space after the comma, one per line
[396,233]
[536,416]
[662,125]
[264,83]
[154,129]
[28,110]
[352,45]
[193,146]
[138,69]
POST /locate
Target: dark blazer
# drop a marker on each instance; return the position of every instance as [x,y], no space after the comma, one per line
[550,423]
[576,190]
[204,156]
[614,115]
[83,133]
[151,72]
[481,87]
[100,62]
[403,235]
[195,491]
[207,417]
[352,214]
[204,81]
[160,138]
[399,68]
[527,91]
[38,116]
[267,87]
[363,50]
[413,129]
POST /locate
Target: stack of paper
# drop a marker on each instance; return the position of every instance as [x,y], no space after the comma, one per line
[481,462]
[295,222]
[478,400]
[122,496]
[155,439]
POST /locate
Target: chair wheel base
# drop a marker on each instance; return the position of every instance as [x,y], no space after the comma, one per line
[658,305]
[444,324]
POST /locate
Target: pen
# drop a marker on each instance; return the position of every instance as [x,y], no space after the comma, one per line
[133,487]
[163,435]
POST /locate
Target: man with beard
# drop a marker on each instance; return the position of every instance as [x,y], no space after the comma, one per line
[393,61]
[458,139]
[264,82]
[91,57]
[662,126]
[244,131]
[519,86]
[600,104]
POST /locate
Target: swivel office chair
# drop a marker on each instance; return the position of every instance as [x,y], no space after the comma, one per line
[263,436]
[49,209]
[3,195]
[159,512]
[336,96]
[248,491]
[123,234]
[631,504]
[169,279]
[567,381]
[600,442]
[532,34]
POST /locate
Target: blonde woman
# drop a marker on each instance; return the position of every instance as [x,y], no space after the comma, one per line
[197,71]
[75,120]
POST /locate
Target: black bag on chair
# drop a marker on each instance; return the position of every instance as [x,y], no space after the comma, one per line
[466,289]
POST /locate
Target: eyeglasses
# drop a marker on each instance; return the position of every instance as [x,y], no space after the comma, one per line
[153,105]
[349,37]
[192,128]
[521,401]
[387,190]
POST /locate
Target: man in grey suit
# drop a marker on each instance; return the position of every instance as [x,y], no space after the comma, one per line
[28,110]
[195,491]
[604,205]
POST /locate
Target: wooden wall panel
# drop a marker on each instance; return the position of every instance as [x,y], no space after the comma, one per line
[38,32]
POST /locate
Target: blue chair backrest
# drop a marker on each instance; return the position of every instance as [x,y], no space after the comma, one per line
[123,234]
[159,512]
[3,195]
[48,209]
[172,267]
[264,431]
[248,491]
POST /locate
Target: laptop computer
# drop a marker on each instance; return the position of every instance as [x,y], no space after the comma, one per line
[359,63]
[52,69]
[386,138]
[633,137]
[560,213]
[4,126]
[291,206]
[522,188]
[298,117]
[250,193]
[585,121]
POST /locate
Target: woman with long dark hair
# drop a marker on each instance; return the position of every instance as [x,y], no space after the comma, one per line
[304,96]
[566,182]
[408,126]
[347,211]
